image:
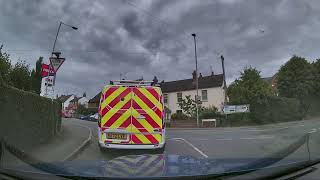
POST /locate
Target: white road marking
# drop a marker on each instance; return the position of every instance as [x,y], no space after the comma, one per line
[224,139]
[194,147]
[312,131]
[249,138]
[259,137]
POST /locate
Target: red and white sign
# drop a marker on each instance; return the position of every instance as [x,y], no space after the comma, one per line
[56,63]
[45,70]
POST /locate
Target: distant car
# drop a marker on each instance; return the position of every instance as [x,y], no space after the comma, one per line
[87,117]
[94,117]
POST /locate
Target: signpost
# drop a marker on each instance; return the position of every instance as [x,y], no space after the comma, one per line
[56,62]
[231,109]
[49,82]
[45,70]
[50,71]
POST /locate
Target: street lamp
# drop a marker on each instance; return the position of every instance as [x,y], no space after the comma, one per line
[56,53]
[197,84]
[54,44]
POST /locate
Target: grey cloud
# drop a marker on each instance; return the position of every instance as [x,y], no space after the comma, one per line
[145,40]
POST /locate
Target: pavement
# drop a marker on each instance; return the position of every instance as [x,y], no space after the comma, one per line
[72,138]
[78,141]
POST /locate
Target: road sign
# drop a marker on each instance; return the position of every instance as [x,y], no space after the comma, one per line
[230,109]
[56,63]
[49,81]
[243,108]
[45,70]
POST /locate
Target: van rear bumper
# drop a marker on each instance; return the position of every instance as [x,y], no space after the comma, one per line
[131,146]
[107,145]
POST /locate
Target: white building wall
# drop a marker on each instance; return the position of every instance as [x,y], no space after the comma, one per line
[215,98]
[83,101]
[67,102]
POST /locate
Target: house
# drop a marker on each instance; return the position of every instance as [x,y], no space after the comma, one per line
[65,100]
[272,81]
[93,103]
[83,101]
[74,101]
[80,100]
[210,91]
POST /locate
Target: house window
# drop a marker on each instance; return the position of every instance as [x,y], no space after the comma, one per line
[179,97]
[165,98]
[204,95]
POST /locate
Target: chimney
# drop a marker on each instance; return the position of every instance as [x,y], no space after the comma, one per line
[212,73]
[194,76]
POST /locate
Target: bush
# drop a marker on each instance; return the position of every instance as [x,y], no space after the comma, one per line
[82,110]
[313,106]
[277,109]
[209,113]
[179,116]
[240,119]
[27,119]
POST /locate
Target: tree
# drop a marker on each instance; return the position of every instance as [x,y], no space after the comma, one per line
[5,65]
[188,106]
[36,77]
[316,68]
[295,78]
[249,88]
[20,76]
[81,109]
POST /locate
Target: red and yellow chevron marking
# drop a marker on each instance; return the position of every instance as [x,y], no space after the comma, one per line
[143,165]
[138,110]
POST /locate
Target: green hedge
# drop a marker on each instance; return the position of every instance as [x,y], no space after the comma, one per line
[27,119]
[277,109]
[179,116]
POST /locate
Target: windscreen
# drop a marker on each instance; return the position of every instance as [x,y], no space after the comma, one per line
[158,88]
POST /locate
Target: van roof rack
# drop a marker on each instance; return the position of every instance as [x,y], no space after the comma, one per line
[133,83]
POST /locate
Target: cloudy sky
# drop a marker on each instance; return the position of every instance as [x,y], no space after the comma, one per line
[143,38]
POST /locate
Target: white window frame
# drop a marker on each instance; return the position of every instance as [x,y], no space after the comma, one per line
[204,100]
[166,96]
[178,97]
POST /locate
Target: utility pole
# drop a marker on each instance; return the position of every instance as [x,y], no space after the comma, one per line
[197,83]
[224,85]
[224,79]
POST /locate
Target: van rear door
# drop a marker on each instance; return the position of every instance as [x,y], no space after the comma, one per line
[147,115]
[115,111]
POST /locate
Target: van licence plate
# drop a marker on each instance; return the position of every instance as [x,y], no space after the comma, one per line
[116,136]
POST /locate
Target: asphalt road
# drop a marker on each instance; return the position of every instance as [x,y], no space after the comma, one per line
[236,142]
